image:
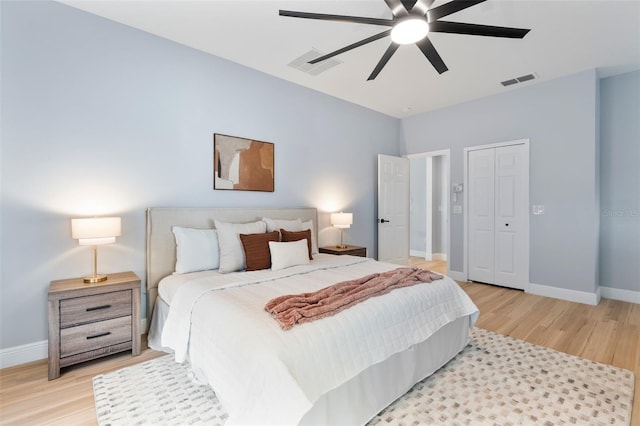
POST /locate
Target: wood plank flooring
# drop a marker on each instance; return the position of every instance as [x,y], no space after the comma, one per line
[608,333]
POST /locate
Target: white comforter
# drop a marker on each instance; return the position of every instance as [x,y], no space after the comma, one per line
[263,375]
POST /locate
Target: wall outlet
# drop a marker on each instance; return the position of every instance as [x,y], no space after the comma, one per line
[537,210]
[457,209]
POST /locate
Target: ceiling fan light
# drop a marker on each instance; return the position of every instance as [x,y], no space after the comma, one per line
[409,31]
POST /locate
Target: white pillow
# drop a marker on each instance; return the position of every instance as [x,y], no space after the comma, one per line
[314,243]
[292,225]
[196,249]
[231,252]
[285,255]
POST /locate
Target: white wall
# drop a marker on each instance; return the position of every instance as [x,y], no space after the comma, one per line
[99,118]
[559,118]
[418,206]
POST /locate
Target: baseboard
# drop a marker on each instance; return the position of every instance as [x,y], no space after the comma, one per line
[35,351]
[429,257]
[458,276]
[620,294]
[24,353]
[564,294]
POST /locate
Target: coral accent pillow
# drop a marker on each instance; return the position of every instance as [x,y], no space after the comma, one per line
[288,236]
[256,249]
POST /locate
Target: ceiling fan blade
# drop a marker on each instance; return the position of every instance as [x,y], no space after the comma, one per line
[432,55]
[421,7]
[476,29]
[351,46]
[452,7]
[398,7]
[339,18]
[383,61]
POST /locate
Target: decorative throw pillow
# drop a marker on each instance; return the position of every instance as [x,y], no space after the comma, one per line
[314,243]
[196,249]
[296,236]
[288,224]
[285,255]
[231,253]
[256,249]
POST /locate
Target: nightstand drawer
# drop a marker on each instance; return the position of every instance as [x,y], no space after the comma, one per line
[82,310]
[84,338]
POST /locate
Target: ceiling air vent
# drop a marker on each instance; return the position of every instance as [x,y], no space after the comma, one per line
[517,80]
[302,63]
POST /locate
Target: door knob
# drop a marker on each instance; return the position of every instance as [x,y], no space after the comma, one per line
[384,221]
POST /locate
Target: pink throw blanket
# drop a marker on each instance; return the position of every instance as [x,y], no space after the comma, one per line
[293,309]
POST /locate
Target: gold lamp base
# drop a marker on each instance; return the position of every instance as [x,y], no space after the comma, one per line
[95,279]
[342,245]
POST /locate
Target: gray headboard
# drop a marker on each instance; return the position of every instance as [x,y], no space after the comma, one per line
[161,245]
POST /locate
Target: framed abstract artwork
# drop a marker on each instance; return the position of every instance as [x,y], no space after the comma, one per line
[242,164]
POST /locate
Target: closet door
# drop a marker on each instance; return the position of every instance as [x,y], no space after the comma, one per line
[481,165]
[510,214]
[498,200]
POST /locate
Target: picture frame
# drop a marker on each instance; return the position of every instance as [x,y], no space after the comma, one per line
[241,164]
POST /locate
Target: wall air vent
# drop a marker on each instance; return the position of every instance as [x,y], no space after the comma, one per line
[302,63]
[521,79]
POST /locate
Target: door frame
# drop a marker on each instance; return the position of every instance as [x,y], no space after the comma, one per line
[465,209]
[446,154]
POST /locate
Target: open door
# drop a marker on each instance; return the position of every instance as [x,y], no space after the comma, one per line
[393,209]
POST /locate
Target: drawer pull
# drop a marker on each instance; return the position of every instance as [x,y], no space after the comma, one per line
[97,308]
[95,336]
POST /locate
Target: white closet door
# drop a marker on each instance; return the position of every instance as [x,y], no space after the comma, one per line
[510,214]
[498,207]
[481,165]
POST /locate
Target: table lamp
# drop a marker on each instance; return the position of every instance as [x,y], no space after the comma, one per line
[342,221]
[94,231]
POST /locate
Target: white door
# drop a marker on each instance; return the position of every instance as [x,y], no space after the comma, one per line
[481,215]
[393,209]
[498,221]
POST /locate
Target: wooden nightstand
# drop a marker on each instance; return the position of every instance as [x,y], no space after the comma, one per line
[350,250]
[88,321]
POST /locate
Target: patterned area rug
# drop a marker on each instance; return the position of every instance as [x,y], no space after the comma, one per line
[495,380]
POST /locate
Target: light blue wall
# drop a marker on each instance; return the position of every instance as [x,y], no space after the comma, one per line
[620,181]
[100,118]
[559,118]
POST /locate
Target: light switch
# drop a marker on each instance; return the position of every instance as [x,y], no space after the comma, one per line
[537,209]
[457,209]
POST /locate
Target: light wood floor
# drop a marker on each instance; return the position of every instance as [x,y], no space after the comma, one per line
[607,333]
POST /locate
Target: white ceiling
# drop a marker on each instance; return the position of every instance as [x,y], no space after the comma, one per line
[566,36]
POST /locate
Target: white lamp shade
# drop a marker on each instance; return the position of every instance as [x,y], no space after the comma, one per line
[342,220]
[95,230]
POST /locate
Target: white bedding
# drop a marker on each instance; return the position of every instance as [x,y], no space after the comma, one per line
[264,375]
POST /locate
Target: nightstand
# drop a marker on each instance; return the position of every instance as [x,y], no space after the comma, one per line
[350,250]
[88,321]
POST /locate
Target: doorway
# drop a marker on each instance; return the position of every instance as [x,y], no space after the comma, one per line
[429,210]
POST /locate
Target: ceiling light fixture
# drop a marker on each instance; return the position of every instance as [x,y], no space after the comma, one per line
[410,30]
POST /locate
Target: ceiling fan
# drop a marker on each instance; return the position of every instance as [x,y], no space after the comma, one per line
[412,21]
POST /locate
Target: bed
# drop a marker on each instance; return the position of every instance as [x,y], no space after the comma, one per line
[338,370]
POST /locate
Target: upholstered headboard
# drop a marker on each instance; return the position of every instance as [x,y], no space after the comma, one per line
[161,245]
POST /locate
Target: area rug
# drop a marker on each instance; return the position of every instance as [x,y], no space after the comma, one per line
[495,380]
